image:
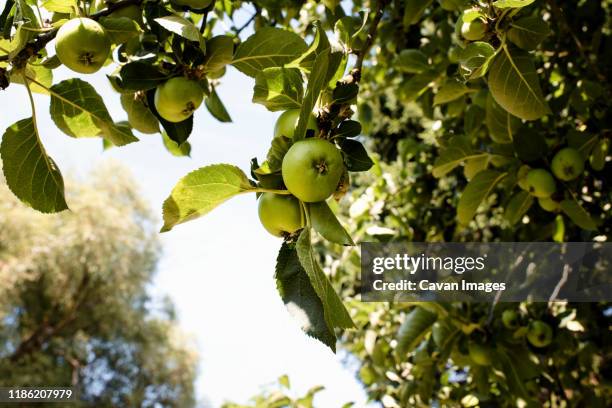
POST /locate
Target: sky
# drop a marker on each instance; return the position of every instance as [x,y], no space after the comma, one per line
[219,269]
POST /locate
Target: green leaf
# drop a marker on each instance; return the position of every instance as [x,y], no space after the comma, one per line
[78,110]
[177,131]
[345,93]
[284,379]
[30,174]
[219,53]
[25,20]
[316,83]
[319,45]
[475,192]
[42,75]
[336,314]
[476,58]
[412,61]
[472,119]
[180,26]
[501,4]
[300,298]
[559,229]
[415,326]
[120,29]
[514,84]
[348,28]
[417,85]
[458,151]
[60,6]
[597,159]
[413,10]
[268,47]
[216,107]
[450,91]
[475,166]
[324,221]
[337,67]
[279,88]
[140,116]
[582,141]
[512,374]
[348,128]
[355,155]
[5,17]
[201,191]
[528,32]
[578,214]
[517,207]
[502,125]
[174,149]
[140,76]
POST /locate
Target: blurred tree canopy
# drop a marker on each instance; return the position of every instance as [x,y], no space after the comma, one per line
[74,303]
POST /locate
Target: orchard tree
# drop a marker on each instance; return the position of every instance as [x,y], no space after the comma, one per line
[488,120]
[74,305]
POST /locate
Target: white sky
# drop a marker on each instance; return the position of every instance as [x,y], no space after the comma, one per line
[219,269]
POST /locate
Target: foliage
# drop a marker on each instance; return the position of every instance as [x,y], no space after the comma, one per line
[281,396]
[427,161]
[456,117]
[74,304]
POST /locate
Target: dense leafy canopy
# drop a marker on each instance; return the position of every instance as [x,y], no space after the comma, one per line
[463,106]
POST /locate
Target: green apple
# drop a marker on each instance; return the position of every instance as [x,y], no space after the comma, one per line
[312,169]
[567,164]
[540,183]
[82,45]
[548,204]
[539,334]
[177,99]
[280,214]
[287,121]
[510,319]
[474,30]
[480,354]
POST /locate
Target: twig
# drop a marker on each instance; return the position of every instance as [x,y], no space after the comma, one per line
[205,16]
[370,39]
[249,21]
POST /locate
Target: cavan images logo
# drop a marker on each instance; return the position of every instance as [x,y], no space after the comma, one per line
[501,271]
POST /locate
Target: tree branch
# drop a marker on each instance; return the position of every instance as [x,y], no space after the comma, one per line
[380,7]
[205,16]
[46,331]
[249,21]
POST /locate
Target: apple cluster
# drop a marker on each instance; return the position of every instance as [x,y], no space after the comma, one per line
[311,170]
[567,164]
[83,45]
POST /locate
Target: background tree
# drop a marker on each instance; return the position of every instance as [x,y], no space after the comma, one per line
[74,305]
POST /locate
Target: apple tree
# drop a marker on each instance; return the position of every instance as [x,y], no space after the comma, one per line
[485,120]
